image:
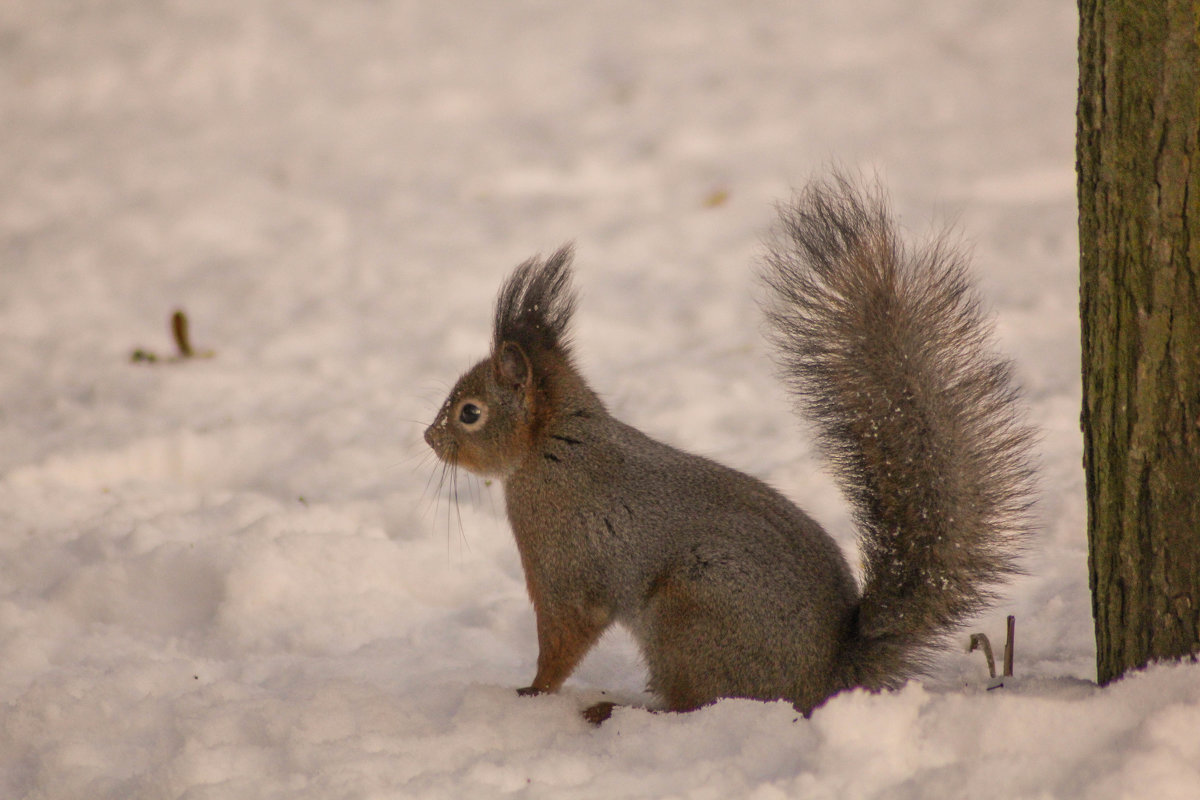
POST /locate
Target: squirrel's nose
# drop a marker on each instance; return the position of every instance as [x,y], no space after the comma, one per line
[433,437]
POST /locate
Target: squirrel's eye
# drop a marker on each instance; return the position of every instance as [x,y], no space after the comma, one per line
[469,414]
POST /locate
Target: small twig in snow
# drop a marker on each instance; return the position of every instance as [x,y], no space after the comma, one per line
[978,641]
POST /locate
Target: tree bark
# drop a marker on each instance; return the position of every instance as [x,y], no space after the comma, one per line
[1138,151]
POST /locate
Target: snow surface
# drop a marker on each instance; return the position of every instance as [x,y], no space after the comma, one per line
[236,577]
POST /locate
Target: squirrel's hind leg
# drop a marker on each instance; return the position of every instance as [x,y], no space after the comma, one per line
[702,643]
[685,638]
[598,713]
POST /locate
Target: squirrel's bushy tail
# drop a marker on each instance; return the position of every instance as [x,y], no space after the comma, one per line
[889,356]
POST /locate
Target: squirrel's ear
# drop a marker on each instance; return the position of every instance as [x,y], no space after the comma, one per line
[512,366]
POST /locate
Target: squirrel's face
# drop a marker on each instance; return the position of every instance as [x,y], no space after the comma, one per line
[483,424]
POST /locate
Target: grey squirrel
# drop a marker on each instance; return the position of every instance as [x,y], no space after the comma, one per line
[729,589]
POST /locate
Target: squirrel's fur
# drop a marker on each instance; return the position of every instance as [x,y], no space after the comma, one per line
[729,588]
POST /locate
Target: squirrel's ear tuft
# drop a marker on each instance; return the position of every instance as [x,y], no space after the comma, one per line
[535,306]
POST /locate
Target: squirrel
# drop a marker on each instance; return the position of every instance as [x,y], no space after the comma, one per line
[729,589]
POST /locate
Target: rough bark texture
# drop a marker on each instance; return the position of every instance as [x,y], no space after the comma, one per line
[1139,230]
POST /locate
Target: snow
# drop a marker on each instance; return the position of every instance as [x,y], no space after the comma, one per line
[244,576]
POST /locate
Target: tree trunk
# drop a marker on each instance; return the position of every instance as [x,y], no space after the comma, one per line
[1139,235]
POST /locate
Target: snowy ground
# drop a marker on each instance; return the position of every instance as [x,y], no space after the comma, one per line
[229,578]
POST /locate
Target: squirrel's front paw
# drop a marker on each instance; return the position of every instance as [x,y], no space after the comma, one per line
[529,691]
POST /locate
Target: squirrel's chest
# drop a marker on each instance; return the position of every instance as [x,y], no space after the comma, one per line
[559,527]
[545,515]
